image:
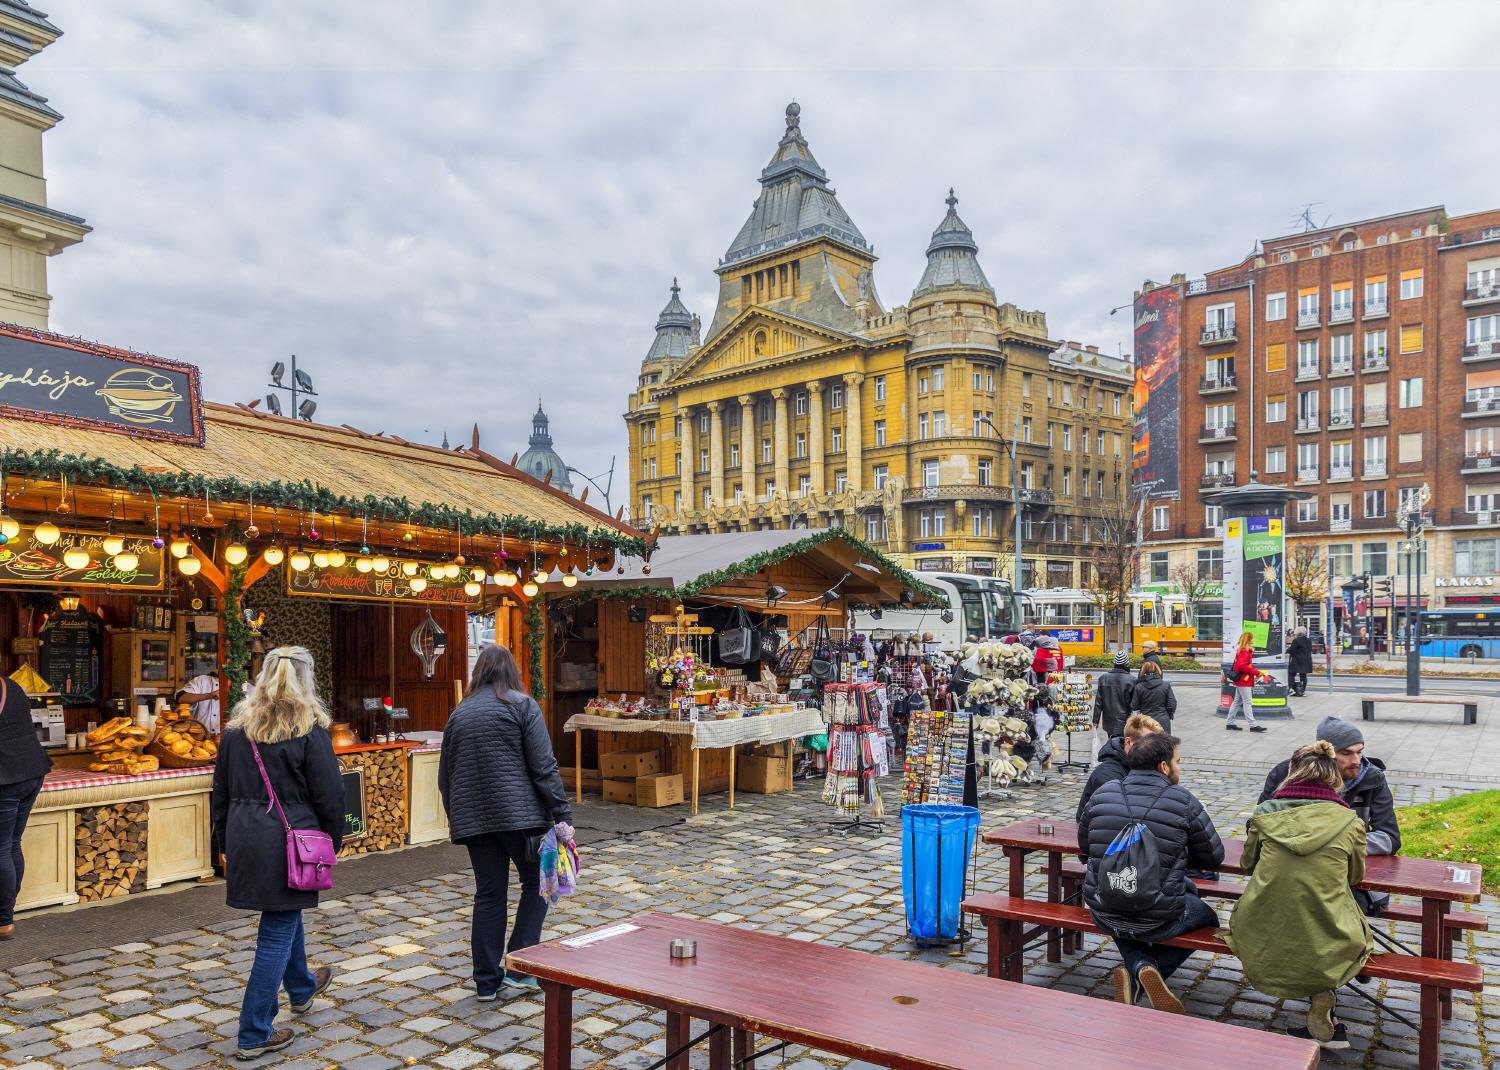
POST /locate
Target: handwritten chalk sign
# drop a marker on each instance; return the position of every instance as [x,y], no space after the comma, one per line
[354,805]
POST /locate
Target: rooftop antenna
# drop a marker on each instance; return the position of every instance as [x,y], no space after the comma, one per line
[1306,221]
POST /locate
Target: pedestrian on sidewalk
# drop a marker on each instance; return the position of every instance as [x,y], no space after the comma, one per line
[1154,697]
[1112,696]
[1242,675]
[1299,662]
[502,791]
[1150,655]
[23,765]
[278,735]
[1298,929]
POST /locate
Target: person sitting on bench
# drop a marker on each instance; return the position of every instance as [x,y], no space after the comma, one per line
[1110,764]
[1365,790]
[1297,929]
[1148,819]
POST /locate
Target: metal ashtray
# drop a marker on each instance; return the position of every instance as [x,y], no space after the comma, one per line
[683,949]
[1045,828]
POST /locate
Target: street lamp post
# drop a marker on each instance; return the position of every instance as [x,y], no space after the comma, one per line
[1015,488]
[1410,516]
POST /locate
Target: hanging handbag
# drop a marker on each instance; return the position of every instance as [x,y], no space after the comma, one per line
[822,668]
[310,856]
[770,642]
[739,645]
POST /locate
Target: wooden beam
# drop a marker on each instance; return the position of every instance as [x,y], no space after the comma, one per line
[211,572]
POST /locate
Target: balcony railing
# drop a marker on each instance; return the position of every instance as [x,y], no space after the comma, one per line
[1306,475]
[1473,516]
[1376,362]
[1375,309]
[1367,523]
[1341,367]
[1341,314]
[1309,423]
[951,491]
[1484,406]
[1376,414]
[1469,237]
[1488,349]
[1216,433]
[1217,334]
[1216,479]
[1374,469]
[1036,496]
[1215,384]
[1340,418]
[1308,371]
[1339,472]
[1481,294]
[1483,461]
[1308,319]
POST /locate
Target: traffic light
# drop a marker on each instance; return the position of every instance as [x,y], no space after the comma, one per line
[1382,587]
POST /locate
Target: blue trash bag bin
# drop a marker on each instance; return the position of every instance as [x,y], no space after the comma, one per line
[937,841]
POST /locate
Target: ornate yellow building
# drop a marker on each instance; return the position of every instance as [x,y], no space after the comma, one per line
[810,404]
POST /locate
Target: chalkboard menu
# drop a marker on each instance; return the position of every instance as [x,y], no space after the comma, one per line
[72,657]
[354,804]
[392,585]
[24,560]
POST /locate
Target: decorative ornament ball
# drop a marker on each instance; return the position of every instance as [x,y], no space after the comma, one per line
[252,532]
[4,538]
[562,552]
[408,537]
[621,570]
[645,570]
[589,571]
[503,555]
[208,518]
[314,534]
[158,542]
[460,561]
[64,507]
[365,550]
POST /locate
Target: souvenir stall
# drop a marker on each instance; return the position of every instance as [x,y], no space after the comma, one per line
[152,546]
[707,661]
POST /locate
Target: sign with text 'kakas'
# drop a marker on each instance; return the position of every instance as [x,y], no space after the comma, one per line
[62,380]
[24,559]
[392,585]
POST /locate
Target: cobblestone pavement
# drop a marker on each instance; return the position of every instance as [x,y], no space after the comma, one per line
[402,997]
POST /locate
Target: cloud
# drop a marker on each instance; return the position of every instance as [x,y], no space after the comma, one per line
[447,210]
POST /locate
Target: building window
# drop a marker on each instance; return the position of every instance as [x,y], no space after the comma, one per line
[708,497]
[929,473]
[677,501]
[978,382]
[1307,357]
[734,418]
[1213,516]
[765,451]
[1341,353]
[932,522]
[1375,293]
[880,388]
[1099,442]
[1067,487]
[1307,460]
[1067,397]
[799,403]
[875,527]
[922,425]
[1307,408]
[1275,460]
[1161,517]
[1026,384]
[770,490]
[880,432]
[1481,501]
[1475,557]
[836,436]
[836,396]
[1406,564]
[937,378]
[1411,338]
[1409,448]
[739,493]
[1067,437]
[1099,484]
[1028,472]
[984,521]
[734,455]
[1026,429]
[1276,357]
[1115,403]
[1374,456]
[1051,433]
[1482,329]
[1084,483]
[1411,393]
[1375,346]
[804,486]
[880,473]
[1307,510]
[1374,503]
[1276,306]
[1341,405]
[1341,300]
[646,507]
[1083,440]
[765,410]
[1118,440]
[1411,284]
[1211,563]
[703,459]
[1050,389]
[800,444]
[1307,304]
[1276,409]
[922,384]
[939,424]
[986,471]
[840,481]
[1158,566]
[1374,558]
[1341,557]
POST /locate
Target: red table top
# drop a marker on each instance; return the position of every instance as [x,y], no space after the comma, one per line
[1424,877]
[887,1010]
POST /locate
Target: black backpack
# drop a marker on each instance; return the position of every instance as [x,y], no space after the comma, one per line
[1128,881]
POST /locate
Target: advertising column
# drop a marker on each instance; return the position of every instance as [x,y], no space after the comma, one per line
[1255,602]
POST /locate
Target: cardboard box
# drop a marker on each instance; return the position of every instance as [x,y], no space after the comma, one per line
[629,764]
[761,774]
[658,789]
[620,791]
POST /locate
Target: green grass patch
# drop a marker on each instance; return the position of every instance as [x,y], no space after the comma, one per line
[1465,828]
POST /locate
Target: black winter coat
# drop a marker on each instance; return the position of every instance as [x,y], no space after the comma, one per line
[1299,655]
[310,785]
[1368,795]
[497,772]
[21,756]
[1154,697]
[1108,766]
[1185,839]
[1112,701]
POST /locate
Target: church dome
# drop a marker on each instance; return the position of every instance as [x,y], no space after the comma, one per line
[953,256]
[676,330]
[540,458]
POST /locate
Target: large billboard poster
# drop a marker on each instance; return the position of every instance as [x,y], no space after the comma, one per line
[1255,598]
[1158,321]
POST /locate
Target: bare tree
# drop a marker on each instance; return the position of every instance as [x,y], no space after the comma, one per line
[1306,574]
[1195,587]
[1114,557]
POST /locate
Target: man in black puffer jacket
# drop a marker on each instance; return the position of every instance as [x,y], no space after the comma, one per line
[1185,838]
[1113,695]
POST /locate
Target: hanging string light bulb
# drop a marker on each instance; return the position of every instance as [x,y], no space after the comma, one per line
[570,578]
[409,568]
[112,544]
[380,565]
[418,584]
[299,561]
[363,564]
[472,588]
[529,588]
[236,553]
[76,558]
[127,562]
[180,547]
[337,557]
[190,565]
[274,555]
[47,533]
[320,559]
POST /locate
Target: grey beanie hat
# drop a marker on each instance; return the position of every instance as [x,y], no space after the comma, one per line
[1340,733]
[1122,659]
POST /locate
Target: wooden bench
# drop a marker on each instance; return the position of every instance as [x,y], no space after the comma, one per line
[1005,916]
[1367,704]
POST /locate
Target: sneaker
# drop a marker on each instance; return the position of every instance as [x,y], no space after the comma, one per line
[488,997]
[1124,985]
[322,977]
[1320,1016]
[520,980]
[1155,987]
[1257,728]
[1234,728]
[1338,1042]
[279,1038]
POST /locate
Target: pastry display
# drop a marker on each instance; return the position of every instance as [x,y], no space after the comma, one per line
[180,741]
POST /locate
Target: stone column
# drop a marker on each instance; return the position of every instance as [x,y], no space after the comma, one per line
[748,446]
[716,453]
[782,452]
[685,444]
[854,442]
[815,437]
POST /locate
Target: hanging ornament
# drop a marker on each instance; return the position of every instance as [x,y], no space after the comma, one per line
[621,570]
[562,551]
[364,534]
[251,531]
[62,501]
[208,513]
[645,570]
[460,561]
[589,571]
[408,536]
[158,542]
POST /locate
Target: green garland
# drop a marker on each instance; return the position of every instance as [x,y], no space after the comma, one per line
[54,464]
[236,636]
[535,636]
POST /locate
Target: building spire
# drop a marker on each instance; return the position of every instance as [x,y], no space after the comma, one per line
[952,255]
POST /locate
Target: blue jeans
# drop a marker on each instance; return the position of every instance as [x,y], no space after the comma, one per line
[16,801]
[280,961]
[1138,953]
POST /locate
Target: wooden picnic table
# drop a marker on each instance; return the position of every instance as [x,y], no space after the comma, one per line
[887,1011]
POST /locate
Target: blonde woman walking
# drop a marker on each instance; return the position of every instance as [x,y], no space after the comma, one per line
[279,734]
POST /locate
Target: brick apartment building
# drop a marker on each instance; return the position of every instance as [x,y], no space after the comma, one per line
[1356,363]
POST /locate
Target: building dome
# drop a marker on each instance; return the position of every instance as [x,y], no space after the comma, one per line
[953,256]
[676,330]
[540,458]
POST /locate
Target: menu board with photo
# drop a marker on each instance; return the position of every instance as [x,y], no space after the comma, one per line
[72,657]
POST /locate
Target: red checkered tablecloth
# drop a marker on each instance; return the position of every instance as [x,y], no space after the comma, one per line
[59,779]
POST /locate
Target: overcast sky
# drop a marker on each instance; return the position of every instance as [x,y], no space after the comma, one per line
[447,209]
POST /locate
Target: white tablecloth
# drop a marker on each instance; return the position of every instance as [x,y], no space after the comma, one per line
[708,735]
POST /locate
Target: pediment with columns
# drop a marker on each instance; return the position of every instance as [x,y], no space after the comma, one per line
[758,338]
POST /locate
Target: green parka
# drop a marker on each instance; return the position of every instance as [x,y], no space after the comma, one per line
[1297,928]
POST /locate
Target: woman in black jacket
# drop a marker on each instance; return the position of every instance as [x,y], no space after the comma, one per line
[288,724]
[23,764]
[502,791]
[1153,696]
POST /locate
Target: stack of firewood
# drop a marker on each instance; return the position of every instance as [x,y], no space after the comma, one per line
[109,856]
[385,799]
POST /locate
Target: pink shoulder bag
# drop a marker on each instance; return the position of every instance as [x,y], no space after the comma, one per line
[310,856]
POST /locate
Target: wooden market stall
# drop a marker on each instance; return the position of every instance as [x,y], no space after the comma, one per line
[605,632]
[149,539]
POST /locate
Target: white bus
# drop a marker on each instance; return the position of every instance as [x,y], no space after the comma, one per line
[980,606]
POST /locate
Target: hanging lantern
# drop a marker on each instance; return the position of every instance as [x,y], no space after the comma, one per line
[452,570]
[180,547]
[505,579]
[363,564]
[477,575]
[274,555]
[68,601]
[472,588]
[127,562]
[320,559]
[9,527]
[409,568]
[299,561]
[47,533]
[380,565]
[570,579]
[529,588]
[337,557]
[112,544]
[76,558]
[418,584]
[236,553]
[429,642]
[190,565]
